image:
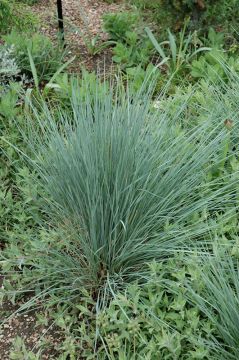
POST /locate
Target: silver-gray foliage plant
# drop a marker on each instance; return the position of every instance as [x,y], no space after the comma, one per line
[8,65]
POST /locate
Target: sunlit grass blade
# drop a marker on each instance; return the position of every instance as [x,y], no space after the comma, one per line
[219,299]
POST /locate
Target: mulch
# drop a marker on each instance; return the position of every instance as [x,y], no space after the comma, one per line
[82,19]
[26,327]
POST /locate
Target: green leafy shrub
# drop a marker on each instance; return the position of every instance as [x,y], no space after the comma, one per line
[202,13]
[131,48]
[119,24]
[215,65]
[23,19]
[135,51]
[17,16]
[5,15]
[47,58]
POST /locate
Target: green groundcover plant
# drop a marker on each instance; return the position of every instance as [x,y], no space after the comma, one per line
[19,207]
[178,313]
[156,321]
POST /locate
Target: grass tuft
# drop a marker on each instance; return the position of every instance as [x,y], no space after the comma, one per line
[126,182]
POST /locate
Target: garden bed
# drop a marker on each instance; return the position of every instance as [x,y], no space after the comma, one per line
[119,180]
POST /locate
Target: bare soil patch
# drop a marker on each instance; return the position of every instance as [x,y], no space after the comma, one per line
[25,326]
[82,19]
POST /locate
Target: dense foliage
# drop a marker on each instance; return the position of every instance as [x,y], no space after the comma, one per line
[47,58]
[202,13]
[16,15]
[119,194]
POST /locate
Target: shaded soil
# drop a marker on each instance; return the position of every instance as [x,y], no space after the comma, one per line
[26,327]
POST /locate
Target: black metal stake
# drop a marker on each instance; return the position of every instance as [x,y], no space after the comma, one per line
[60,19]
